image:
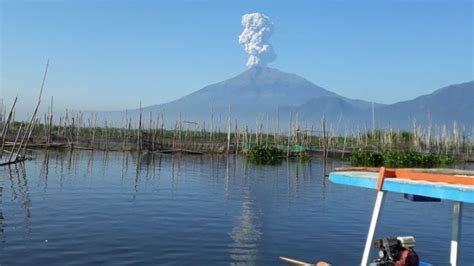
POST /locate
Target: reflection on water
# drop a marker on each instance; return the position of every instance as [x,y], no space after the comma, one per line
[19,188]
[119,208]
[2,239]
[246,231]
[245,235]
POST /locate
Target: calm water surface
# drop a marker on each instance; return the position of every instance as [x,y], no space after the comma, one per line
[101,208]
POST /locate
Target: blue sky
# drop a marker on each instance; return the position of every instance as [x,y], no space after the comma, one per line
[109,55]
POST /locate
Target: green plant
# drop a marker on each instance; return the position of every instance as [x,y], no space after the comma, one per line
[264,154]
[303,157]
[399,159]
[366,158]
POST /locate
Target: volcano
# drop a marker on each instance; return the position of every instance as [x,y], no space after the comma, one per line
[267,93]
[258,91]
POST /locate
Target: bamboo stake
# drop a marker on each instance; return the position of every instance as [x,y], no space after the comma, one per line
[14,143]
[228,131]
[29,129]
[106,136]
[50,128]
[7,126]
[139,141]
[93,130]
[324,140]
[32,122]
[237,136]
[289,136]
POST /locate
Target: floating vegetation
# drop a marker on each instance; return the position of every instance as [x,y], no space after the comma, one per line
[265,154]
[303,157]
[271,154]
[366,158]
[399,159]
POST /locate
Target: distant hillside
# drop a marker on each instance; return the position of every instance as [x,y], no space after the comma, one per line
[444,106]
[269,93]
[333,109]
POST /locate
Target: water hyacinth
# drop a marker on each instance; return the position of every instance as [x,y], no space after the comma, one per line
[265,154]
[398,159]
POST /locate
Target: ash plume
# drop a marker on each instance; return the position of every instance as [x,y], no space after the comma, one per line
[254,38]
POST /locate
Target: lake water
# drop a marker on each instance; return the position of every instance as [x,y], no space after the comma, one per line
[100,208]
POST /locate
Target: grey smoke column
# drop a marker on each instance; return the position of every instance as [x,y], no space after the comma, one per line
[257,30]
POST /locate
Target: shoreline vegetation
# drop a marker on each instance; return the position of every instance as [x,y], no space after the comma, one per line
[400,159]
[424,146]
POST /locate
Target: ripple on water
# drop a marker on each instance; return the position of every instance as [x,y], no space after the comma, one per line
[100,208]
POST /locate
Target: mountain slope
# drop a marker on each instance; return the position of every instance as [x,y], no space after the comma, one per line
[267,93]
[263,87]
[444,106]
[257,91]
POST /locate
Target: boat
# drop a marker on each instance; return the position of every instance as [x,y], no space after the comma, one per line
[416,185]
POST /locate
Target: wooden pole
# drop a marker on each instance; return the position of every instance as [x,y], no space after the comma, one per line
[30,127]
[94,117]
[267,133]
[7,126]
[155,130]
[139,142]
[228,130]
[106,136]
[237,136]
[50,122]
[162,120]
[344,145]
[14,143]
[212,124]
[289,137]
[44,79]
[324,139]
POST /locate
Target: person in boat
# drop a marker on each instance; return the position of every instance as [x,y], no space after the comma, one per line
[396,251]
